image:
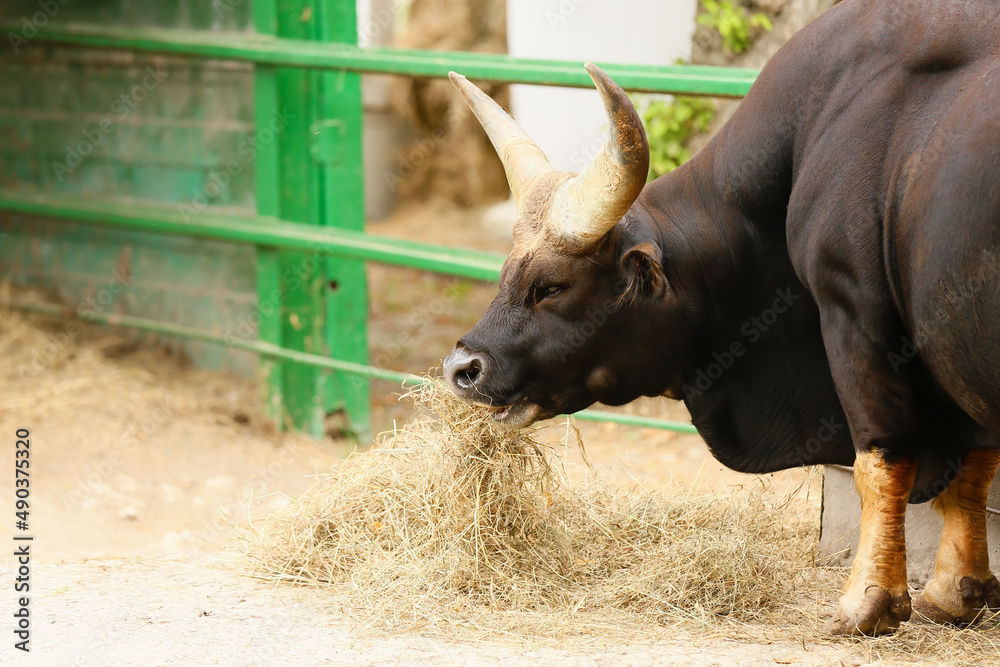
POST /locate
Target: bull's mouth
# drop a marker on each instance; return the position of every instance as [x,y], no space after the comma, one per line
[516,415]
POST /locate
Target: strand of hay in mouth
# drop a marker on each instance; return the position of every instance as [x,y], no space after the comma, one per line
[455,520]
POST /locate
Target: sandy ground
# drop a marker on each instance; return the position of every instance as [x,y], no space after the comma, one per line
[197,611]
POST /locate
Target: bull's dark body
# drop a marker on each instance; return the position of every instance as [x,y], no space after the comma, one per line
[862,175]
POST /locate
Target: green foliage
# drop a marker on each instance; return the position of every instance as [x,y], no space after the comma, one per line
[732,22]
[669,124]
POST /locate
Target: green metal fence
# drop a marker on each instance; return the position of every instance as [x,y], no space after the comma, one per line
[306,235]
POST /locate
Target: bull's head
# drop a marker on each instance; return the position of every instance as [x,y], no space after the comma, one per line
[583,304]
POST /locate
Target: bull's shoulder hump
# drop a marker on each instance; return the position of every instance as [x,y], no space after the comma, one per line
[863,40]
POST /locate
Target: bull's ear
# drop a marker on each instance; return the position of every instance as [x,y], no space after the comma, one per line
[642,272]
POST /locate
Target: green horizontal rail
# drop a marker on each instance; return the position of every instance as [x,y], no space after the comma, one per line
[250,345]
[262,49]
[274,351]
[635,420]
[256,230]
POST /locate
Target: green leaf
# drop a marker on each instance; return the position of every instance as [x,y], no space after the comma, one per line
[669,125]
[762,21]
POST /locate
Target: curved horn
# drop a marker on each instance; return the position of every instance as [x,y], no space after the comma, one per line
[522,159]
[591,203]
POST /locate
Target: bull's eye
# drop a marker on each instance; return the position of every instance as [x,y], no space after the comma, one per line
[547,291]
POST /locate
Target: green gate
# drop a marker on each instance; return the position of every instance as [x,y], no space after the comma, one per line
[204,182]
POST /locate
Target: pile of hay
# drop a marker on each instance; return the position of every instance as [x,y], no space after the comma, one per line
[454,520]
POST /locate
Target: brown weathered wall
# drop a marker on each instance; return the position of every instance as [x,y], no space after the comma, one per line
[453,159]
[788,17]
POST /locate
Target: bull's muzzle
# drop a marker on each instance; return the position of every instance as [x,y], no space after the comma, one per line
[464,371]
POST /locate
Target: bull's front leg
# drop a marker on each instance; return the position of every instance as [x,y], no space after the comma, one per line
[875,599]
[963,584]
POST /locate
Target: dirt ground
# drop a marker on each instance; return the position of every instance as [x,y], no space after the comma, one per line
[141,466]
[197,611]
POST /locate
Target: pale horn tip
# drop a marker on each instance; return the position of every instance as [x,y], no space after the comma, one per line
[456,78]
[597,74]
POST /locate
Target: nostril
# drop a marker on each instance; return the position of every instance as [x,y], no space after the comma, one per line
[466,377]
[465,370]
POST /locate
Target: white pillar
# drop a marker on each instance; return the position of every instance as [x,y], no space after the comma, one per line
[384,130]
[569,123]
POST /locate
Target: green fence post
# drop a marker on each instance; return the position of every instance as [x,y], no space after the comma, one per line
[338,148]
[284,121]
[268,204]
[315,122]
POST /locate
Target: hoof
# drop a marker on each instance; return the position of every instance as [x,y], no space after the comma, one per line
[991,594]
[877,614]
[959,604]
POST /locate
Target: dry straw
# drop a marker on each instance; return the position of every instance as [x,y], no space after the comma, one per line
[456,521]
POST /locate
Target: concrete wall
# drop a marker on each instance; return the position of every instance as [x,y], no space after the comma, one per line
[838,541]
[567,123]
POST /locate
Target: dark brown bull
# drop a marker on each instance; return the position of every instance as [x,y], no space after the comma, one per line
[830,260]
